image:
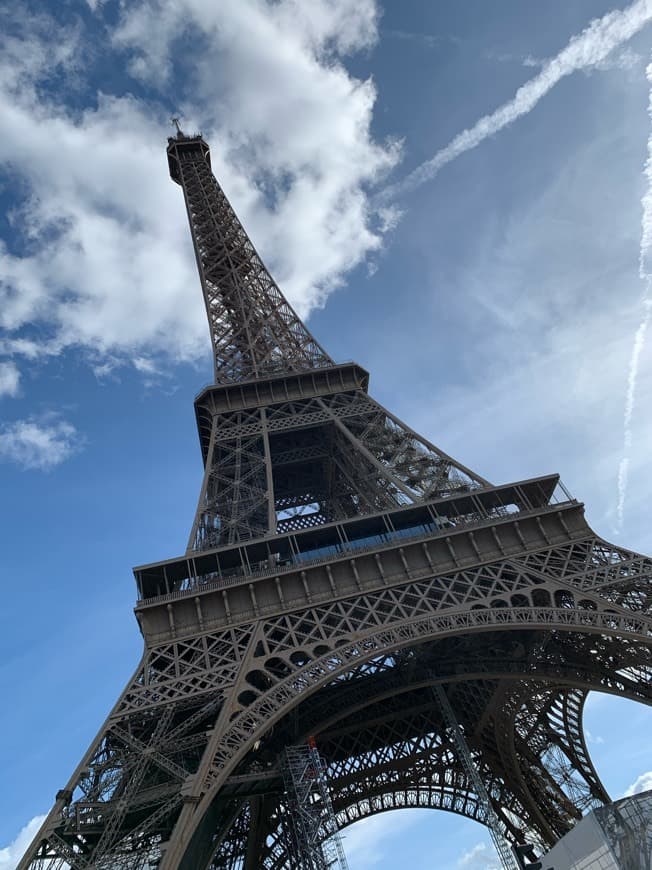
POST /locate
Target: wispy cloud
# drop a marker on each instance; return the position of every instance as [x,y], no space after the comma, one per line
[11,854]
[640,784]
[622,60]
[593,738]
[645,272]
[28,348]
[365,842]
[9,379]
[511,57]
[430,40]
[481,857]
[38,444]
[587,49]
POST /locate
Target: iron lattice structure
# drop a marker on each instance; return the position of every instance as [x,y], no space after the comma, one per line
[339,567]
[505,853]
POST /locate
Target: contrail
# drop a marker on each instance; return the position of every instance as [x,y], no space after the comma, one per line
[586,49]
[645,272]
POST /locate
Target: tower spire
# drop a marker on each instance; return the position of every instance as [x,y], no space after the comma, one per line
[177,124]
[254,330]
[303,444]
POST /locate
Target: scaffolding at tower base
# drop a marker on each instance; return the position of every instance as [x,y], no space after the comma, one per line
[505,853]
[316,843]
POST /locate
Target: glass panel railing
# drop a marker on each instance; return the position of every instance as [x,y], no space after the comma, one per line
[287,552]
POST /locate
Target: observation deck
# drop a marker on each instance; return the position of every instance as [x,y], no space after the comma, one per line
[231,584]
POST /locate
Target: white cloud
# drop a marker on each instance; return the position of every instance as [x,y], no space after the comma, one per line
[364,842]
[642,783]
[551,397]
[9,379]
[144,365]
[285,113]
[645,274]
[593,738]
[549,303]
[481,857]
[10,855]
[431,40]
[35,444]
[621,60]
[587,49]
[27,348]
[109,266]
[35,48]
[317,30]
[108,263]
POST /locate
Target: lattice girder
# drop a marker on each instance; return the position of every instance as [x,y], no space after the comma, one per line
[418,774]
[409,784]
[253,328]
[312,669]
[227,688]
[343,454]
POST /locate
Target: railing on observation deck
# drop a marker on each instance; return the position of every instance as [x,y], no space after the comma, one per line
[230,565]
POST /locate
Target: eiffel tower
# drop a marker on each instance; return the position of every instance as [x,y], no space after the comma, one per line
[341,571]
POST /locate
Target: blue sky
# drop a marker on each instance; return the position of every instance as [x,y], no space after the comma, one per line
[494,282]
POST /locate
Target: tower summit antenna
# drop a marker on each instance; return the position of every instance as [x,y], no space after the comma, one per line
[177,124]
